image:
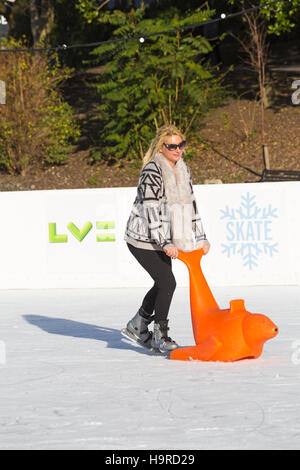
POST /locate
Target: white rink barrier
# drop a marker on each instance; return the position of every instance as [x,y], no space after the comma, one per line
[74,238]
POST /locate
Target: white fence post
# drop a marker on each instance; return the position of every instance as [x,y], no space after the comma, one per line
[2,92]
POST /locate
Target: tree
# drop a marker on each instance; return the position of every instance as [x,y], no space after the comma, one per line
[18,17]
[29,17]
[145,84]
[272,19]
[37,126]
[46,21]
[256,48]
[73,29]
[42,19]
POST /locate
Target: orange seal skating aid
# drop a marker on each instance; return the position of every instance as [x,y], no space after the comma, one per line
[220,335]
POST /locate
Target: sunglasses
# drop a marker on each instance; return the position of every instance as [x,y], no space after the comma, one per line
[173,147]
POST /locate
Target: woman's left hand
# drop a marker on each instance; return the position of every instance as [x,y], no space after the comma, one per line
[206,248]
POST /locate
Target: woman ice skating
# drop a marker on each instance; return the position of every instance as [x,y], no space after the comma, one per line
[163,220]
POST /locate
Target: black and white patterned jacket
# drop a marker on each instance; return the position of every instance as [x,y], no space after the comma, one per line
[149,224]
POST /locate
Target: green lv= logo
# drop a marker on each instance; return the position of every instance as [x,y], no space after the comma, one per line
[80,234]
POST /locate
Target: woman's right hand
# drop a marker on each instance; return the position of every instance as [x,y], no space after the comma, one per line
[172,251]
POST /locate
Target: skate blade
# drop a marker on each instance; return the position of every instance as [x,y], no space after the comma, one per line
[158,352]
[154,352]
[135,339]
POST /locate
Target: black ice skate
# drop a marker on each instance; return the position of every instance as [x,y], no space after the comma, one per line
[160,341]
[137,329]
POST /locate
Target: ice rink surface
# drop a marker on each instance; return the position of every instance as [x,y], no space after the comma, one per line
[69,380]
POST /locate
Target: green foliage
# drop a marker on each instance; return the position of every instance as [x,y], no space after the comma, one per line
[36,125]
[280,16]
[88,9]
[145,85]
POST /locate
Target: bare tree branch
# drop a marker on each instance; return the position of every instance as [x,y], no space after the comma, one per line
[102,4]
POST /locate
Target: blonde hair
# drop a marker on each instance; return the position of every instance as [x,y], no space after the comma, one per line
[161,133]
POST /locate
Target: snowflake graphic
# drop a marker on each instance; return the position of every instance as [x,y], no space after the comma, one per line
[249,231]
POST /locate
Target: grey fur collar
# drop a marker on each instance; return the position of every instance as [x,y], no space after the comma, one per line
[176,181]
[179,200]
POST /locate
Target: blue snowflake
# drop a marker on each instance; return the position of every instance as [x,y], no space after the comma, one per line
[249,231]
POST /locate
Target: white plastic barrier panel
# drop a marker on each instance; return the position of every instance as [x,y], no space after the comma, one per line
[75,238]
[254,232]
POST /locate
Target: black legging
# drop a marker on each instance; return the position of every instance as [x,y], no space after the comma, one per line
[159,266]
